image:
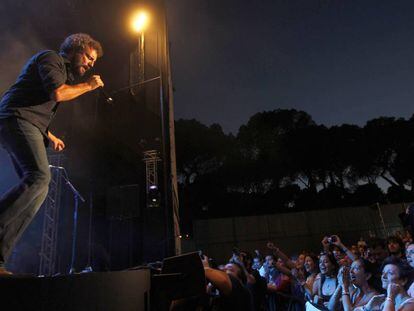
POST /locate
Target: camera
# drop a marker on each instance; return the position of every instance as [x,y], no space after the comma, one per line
[332,239]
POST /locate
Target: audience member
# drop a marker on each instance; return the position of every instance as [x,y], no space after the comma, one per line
[409,254]
[395,246]
[326,282]
[356,285]
[396,275]
[378,251]
[233,295]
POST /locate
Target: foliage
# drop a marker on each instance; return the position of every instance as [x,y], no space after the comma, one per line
[282,160]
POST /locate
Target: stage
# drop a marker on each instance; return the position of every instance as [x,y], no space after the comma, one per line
[120,291]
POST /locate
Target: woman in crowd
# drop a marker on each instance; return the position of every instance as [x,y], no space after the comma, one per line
[326,282]
[307,279]
[409,254]
[356,286]
[396,275]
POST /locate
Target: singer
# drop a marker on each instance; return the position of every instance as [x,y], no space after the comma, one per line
[26,110]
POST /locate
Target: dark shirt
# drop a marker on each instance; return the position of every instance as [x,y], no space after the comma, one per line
[29,97]
[239,299]
[258,291]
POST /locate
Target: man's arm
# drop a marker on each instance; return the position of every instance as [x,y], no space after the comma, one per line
[339,243]
[67,92]
[276,251]
[219,279]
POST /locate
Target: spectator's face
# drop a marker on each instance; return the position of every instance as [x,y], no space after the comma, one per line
[361,250]
[269,261]
[280,262]
[391,274]
[379,253]
[409,253]
[338,254]
[310,265]
[301,260]
[354,249]
[394,247]
[325,265]
[357,273]
[257,263]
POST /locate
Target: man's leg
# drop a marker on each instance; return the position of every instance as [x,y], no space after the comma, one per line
[14,230]
[25,143]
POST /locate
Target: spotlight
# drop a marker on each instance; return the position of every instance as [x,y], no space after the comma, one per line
[153,196]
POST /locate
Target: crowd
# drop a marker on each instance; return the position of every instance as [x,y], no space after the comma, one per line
[376,274]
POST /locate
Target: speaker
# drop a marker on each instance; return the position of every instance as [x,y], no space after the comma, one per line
[181,276]
[123,202]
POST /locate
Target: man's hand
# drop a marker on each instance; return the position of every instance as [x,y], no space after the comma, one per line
[325,242]
[336,240]
[58,144]
[204,260]
[95,81]
[270,245]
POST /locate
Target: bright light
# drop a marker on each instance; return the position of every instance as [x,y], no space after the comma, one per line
[139,21]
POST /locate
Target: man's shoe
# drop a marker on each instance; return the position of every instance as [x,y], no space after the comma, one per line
[4,272]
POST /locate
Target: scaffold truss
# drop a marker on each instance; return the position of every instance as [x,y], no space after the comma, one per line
[51,206]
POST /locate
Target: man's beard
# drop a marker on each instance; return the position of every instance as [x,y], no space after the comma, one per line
[80,71]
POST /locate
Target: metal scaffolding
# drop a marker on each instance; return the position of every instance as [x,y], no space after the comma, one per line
[151,160]
[51,206]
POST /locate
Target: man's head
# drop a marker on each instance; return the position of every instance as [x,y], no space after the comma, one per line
[395,246]
[270,260]
[378,250]
[82,51]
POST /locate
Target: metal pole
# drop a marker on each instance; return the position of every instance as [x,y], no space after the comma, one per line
[74,233]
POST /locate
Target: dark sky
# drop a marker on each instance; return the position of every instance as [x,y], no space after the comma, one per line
[342,61]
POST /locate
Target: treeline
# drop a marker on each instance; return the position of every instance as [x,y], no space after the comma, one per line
[282,160]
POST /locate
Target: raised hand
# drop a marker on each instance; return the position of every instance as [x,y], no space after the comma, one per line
[270,245]
[345,276]
[375,302]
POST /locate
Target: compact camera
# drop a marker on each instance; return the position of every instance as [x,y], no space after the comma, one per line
[332,239]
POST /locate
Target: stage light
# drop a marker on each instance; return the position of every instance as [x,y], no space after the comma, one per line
[139,21]
[153,196]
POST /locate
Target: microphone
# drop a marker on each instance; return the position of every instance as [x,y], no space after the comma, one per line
[106,96]
[56,167]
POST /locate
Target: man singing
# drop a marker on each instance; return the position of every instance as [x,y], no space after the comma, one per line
[26,111]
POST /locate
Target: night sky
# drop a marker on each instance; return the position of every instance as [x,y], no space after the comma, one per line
[341,61]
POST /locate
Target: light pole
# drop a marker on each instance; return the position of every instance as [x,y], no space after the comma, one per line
[139,22]
[159,57]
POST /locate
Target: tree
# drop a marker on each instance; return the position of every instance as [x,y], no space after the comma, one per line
[200,149]
[261,148]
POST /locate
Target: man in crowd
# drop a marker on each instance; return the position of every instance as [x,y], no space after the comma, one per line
[231,285]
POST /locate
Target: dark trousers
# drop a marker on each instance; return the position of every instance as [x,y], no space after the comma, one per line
[25,144]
